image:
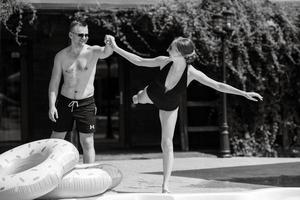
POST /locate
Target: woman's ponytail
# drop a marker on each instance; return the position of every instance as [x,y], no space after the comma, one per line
[189,58]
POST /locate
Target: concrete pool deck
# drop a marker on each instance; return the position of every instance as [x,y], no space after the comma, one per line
[195,174]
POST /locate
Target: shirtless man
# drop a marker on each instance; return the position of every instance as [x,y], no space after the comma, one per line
[77,64]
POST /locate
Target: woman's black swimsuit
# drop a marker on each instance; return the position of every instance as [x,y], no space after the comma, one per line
[157,92]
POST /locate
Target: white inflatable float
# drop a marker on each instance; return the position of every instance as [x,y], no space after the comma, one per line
[259,194]
[86,180]
[114,173]
[36,168]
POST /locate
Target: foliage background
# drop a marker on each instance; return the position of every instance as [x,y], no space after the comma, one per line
[13,15]
[263,56]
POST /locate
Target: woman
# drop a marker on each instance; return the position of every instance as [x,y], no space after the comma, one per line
[165,91]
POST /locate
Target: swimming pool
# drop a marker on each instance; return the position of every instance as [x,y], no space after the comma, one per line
[280,193]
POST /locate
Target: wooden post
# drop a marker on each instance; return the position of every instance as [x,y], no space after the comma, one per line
[184,139]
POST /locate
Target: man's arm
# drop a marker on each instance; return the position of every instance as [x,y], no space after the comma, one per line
[103,52]
[221,87]
[53,87]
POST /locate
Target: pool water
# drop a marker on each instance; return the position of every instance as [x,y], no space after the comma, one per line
[278,181]
[276,175]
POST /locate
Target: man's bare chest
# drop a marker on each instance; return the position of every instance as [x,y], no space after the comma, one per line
[77,65]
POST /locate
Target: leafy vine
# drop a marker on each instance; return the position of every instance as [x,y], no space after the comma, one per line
[263,55]
[15,9]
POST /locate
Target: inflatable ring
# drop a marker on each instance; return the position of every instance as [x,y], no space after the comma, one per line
[86,180]
[115,174]
[34,169]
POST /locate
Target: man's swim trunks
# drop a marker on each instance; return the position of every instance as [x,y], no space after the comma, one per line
[166,100]
[81,111]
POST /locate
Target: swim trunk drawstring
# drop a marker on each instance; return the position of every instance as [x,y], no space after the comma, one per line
[72,105]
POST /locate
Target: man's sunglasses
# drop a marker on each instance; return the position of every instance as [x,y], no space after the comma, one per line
[81,34]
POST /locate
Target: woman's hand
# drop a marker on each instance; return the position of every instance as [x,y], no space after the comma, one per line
[110,40]
[253,96]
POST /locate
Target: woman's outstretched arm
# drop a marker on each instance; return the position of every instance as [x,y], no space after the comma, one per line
[199,76]
[159,61]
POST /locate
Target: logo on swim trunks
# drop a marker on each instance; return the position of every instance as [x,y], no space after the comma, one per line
[92,126]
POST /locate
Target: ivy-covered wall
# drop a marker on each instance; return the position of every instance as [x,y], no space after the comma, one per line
[263,56]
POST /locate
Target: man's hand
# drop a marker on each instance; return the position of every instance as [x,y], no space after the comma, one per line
[53,115]
[253,96]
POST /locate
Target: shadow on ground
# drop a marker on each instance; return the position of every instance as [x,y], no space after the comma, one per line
[280,174]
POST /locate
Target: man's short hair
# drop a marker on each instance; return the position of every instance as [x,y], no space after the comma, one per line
[75,23]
